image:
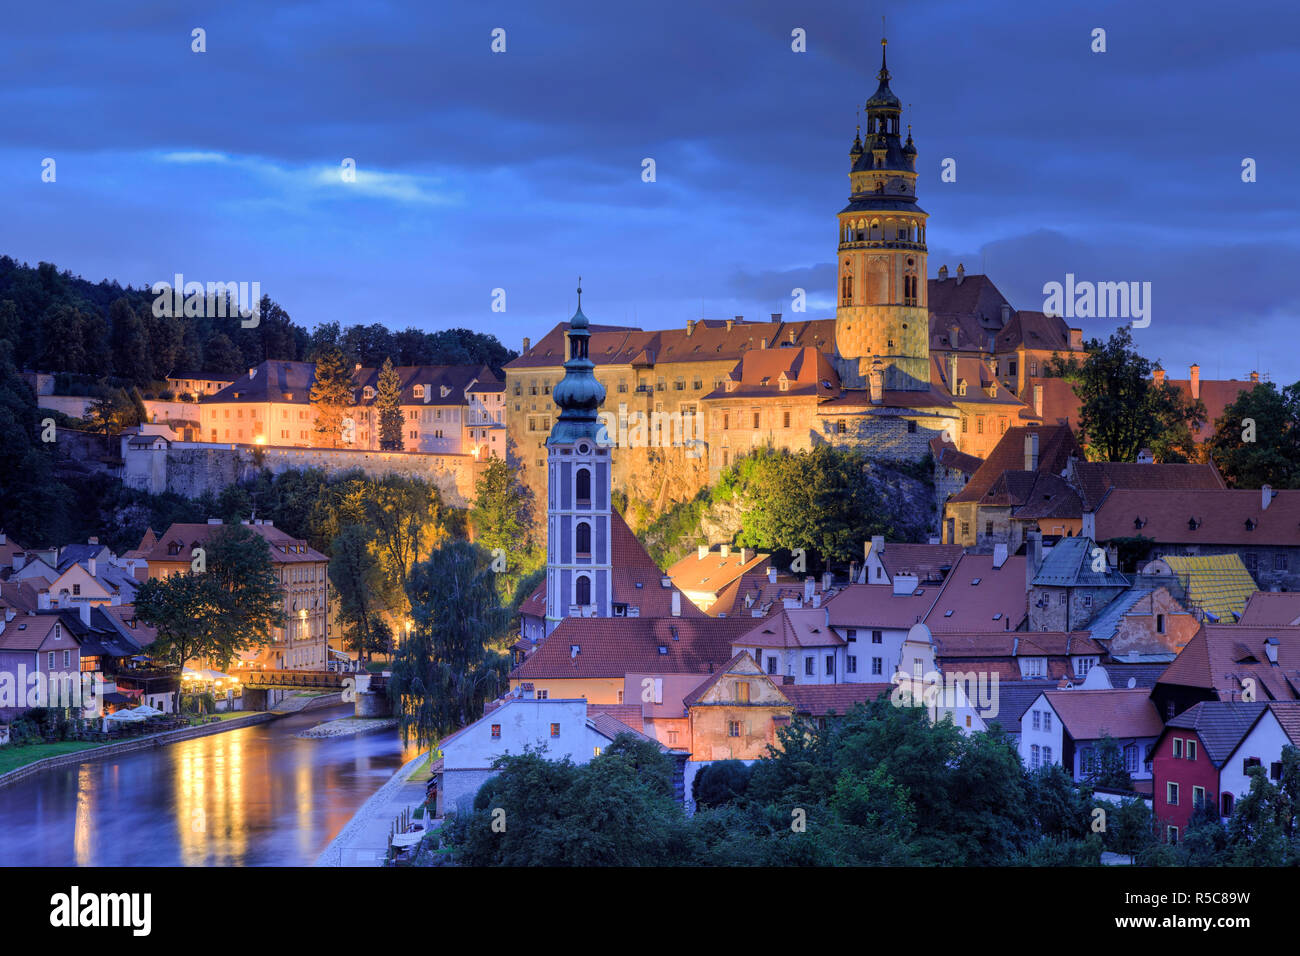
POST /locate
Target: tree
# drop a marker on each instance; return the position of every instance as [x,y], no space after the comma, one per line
[1129,828]
[501,518]
[720,782]
[1106,767]
[1123,410]
[35,507]
[448,667]
[331,395]
[248,595]
[1257,441]
[388,398]
[358,584]
[180,606]
[130,343]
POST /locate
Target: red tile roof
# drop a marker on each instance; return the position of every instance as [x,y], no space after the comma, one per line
[1056,444]
[927,561]
[975,295]
[1095,479]
[615,647]
[804,627]
[876,605]
[1034,330]
[1221,656]
[817,700]
[1271,608]
[285,549]
[714,572]
[1221,517]
[947,455]
[27,632]
[1093,714]
[998,599]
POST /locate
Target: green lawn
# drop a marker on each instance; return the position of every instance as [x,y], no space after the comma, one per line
[11,758]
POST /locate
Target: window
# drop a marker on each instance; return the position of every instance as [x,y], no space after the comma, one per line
[1178,747]
[852,633]
[851,664]
[496,731]
[582,590]
[1037,721]
[672,736]
[50,661]
[1131,758]
[595,751]
[1047,755]
[755,419]
[742,692]
[582,539]
[911,427]
[1047,720]
[808,667]
[1160,623]
[1279,562]
[555,730]
[830,665]
[1226,809]
[771,665]
[543,694]
[877,665]
[1171,794]
[965,525]
[1191,749]
[67,662]
[1198,797]
[1274,769]
[76,589]
[583,484]
[877,637]
[785,419]
[1035,756]
[733,728]
[1172,834]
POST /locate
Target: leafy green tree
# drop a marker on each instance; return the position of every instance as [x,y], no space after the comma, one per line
[723,781]
[450,664]
[35,507]
[1123,410]
[1106,768]
[388,399]
[331,395]
[181,608]
[247,593]
[358,584]
[129,339]
[1257,441]
[1129,828]
[501,519]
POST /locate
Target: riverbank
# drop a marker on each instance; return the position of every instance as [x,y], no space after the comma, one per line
[363,841]
[95,752]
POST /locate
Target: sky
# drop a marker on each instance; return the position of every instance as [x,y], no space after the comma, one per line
[521,170]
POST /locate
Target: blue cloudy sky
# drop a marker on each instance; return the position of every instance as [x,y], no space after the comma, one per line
[522,170]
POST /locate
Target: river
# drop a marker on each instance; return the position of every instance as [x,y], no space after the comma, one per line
[258,796]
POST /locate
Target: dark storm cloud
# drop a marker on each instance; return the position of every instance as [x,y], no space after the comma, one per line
[523,170]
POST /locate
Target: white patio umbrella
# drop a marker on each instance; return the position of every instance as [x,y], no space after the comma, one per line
[144,710]
[125,715]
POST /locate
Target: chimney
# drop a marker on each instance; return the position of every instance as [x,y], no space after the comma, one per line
[828,580]
[726,551]
[702,551]
[1038,401]
[961,273]
[1159,376]
[952,373]
[1033,556]
[20,559]
[776,316]
[115,600]
[953,334]
[762,343]
[1254,377]
[853,571]
[677,604]
[252,372]
[84,610]
[771,575]
[731,323]
[1006,314]
[1076,340]
[827,620]
[2,537]
[1266,497]
[943,272]
[1196,381]
[9,614]
[527,343]
[809,586]
[999,555]
[91,566]
[744,555]
[43,600]
[876,379]
[1031,451]
[690,327]
[877,544]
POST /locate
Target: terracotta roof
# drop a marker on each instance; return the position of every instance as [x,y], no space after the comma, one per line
[19,595]
[975,295]
[1056,444]
[1221,656]
[755,595]
[535,604]
[1095,479]
[807,371]
[273,381]
[1061,405]
[929,562]
[978,597]
[627,714]
[804,627]
[636,580]
[1034,330]
[859,399]
[975,373]
[1092,714]
[1287,713]
[434,378]
[27,632]
[1216,395]
[615,647]
[1220,517]
[1017,644]
[140,632]
[187,536]
[714,572]
[877,606]
[1219,725]
[693,698]
[1014,699]
[817,700]
[8,549]
[1271,608]
[1050,496]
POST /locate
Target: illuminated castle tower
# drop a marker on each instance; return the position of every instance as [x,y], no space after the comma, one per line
[882,311]
[578,548]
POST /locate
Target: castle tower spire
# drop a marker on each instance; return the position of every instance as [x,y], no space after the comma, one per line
[882,310]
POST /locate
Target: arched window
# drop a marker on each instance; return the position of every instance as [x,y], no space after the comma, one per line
[584,486]
[582,539]
[582,589]
[1226,809]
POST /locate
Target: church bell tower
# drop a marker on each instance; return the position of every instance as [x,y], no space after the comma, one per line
[882,313]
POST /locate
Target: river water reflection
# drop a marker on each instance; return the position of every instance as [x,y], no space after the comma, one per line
[252,797]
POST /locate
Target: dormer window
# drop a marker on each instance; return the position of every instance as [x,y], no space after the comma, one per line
[1250,524]
[368,393]
[419,391]
[1192,524]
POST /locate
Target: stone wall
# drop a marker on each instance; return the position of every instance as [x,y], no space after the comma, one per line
[191,468]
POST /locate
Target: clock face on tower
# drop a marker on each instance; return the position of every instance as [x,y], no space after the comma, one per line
[584,449]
